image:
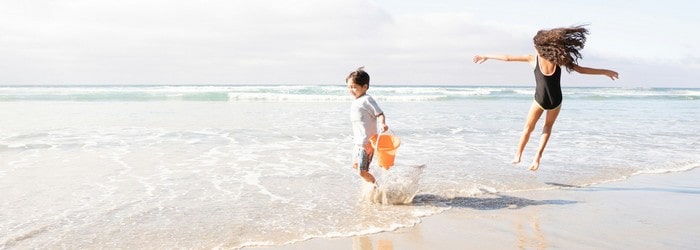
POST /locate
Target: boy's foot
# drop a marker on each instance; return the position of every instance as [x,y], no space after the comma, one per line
[373,185]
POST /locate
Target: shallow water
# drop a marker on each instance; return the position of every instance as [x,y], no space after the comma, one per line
[236,166]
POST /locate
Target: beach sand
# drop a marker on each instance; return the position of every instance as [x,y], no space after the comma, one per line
[649,211]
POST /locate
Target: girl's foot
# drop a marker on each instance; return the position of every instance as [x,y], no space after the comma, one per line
[535,164]
[516,160]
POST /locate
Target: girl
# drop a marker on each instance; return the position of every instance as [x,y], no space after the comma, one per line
[555,48]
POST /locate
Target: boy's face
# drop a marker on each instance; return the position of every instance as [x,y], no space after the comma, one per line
[356,90]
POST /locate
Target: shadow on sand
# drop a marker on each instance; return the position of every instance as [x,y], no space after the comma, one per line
[681,190]
[492,202]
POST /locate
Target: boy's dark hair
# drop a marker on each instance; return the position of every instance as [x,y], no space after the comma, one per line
[359,76]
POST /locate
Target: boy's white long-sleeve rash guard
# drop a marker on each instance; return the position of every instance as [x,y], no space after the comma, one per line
[363,115]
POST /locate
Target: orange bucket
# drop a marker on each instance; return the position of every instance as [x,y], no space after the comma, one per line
[385,146]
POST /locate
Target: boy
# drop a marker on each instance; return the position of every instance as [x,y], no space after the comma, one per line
[364,114]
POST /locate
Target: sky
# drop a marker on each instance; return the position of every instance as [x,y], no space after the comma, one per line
[406,42]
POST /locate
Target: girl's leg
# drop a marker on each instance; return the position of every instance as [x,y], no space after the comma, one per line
[532,117]
[546,132]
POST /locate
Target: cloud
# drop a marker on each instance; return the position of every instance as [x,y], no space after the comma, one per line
[220,41]
[163,41]
[266,41]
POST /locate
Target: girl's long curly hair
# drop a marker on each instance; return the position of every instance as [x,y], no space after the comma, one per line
[561,45]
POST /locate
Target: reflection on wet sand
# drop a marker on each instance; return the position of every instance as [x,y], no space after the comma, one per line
[536,239]
[365,243]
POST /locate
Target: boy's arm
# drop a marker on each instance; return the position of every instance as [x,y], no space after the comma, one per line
[592,71]
[382,120]
[508,58]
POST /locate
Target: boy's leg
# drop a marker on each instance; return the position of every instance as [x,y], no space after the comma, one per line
[367,176]
[363,157]
[364,174]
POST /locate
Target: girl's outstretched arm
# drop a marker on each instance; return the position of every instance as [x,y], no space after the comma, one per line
[592,71]
[508,58]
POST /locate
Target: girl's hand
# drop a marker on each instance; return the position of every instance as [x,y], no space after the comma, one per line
[384,128]
[480,59]
[612,74]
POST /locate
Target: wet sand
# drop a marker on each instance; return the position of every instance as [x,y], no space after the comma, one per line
[650,211]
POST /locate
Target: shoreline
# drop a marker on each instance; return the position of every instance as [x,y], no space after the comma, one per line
[647,211]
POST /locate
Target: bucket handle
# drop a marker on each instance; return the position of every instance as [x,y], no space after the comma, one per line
[388,131]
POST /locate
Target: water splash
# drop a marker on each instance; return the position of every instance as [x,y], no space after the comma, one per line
[396,187]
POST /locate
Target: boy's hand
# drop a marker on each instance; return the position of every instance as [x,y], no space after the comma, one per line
[384,128]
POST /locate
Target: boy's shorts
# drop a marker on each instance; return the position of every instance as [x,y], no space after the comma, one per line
[362,156]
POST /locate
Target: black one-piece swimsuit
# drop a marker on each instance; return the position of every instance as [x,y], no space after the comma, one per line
[548,90]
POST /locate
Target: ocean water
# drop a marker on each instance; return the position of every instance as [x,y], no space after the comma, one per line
[238,166]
